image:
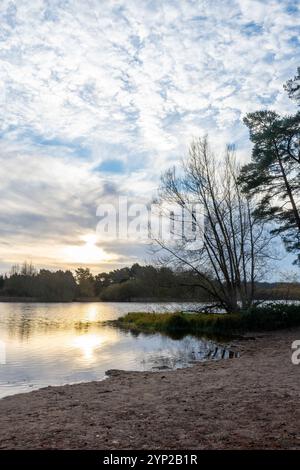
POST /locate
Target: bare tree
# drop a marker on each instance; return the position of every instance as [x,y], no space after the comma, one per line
[228,247]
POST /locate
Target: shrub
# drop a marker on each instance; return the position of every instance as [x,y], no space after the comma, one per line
[177,321]
[272,316]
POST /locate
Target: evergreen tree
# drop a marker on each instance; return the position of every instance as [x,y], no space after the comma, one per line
[274,172]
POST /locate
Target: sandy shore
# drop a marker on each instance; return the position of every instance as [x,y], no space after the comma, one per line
[247,402]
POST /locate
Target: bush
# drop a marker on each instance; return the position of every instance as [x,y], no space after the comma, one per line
[272,316]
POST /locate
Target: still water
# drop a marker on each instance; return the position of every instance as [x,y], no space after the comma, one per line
[53,344]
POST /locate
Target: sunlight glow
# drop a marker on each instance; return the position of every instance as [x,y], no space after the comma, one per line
[91,313]
[88,252]
[88,343]
[90,239]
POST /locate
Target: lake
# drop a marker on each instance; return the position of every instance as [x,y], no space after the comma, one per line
[58,343]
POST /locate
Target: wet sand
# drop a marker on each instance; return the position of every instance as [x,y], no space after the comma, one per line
[250,402]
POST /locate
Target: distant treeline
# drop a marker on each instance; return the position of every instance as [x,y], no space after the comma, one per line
[27,282]
[127,284]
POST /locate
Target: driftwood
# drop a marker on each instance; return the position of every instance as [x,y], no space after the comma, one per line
[208,309]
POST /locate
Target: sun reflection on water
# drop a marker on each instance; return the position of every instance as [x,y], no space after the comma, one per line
[88,344]
[91,314]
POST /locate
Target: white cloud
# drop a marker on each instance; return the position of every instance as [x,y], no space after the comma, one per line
[85,82]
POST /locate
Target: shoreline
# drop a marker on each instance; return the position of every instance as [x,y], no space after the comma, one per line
[250,402]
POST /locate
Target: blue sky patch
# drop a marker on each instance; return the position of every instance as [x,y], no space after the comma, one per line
[111,166]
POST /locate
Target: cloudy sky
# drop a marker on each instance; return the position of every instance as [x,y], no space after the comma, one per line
[98,97]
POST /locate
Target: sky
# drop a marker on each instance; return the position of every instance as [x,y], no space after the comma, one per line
[99,97]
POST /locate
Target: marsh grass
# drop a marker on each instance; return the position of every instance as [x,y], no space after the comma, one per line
[270,317]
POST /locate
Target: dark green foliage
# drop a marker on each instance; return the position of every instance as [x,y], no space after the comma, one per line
[274,173]
[126,284]
[269,317]
[293,87]
[52,286]
[45,285]
[122,292]
[101,281]
[148,282]
[85,282]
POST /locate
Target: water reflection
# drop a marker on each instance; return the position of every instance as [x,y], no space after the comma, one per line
[88,344]
[53,344]
[91,313]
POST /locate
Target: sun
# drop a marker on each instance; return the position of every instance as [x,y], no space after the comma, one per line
[90,238]
[87,252]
